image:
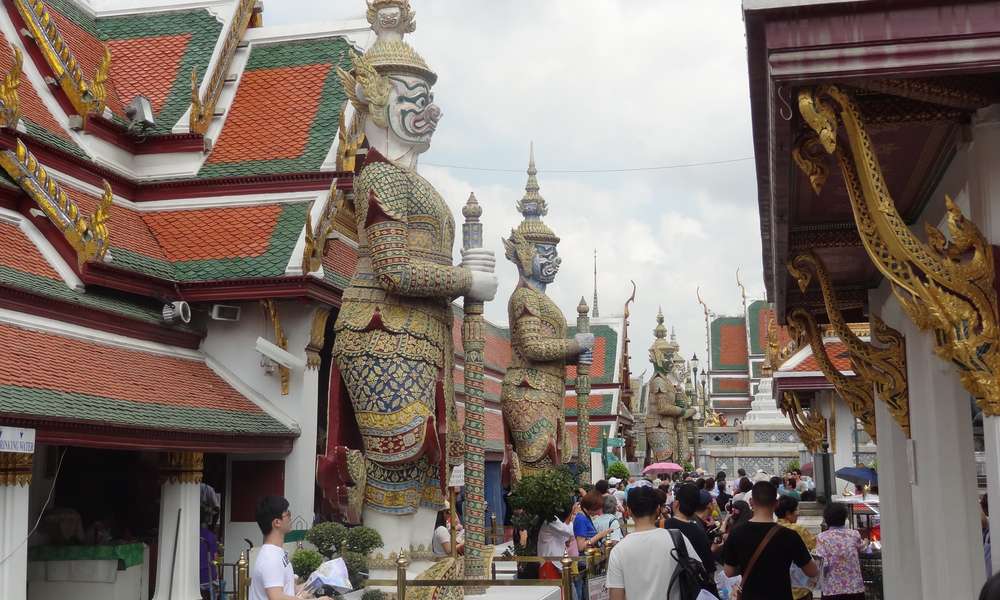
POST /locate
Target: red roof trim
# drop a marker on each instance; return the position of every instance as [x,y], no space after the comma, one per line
[69,312]
[174,189]
[114,133]
[93,435]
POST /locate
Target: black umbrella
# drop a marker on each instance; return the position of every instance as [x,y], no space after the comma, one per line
[858,475]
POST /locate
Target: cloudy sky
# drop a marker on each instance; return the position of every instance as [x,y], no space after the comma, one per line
[597,85]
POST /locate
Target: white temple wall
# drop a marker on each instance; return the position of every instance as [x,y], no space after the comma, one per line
[937,466]
[232,347]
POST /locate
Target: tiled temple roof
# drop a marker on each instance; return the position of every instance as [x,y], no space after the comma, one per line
[56,377]
[202,244]
[606,360]
[286,112]
[597,405]
[729,344]
[152,53]
[596,432]
[804,361]
[23,267]
[735,386]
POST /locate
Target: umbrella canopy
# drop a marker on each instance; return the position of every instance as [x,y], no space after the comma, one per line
[663,467]
[858,475]
[807,469]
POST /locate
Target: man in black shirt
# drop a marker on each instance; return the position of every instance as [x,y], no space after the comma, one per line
[768,579]
[686,499]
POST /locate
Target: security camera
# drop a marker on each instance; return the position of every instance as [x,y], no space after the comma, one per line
[177,311]
[140,112]
[279,355]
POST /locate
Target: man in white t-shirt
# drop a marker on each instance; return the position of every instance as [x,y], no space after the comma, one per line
[640,566]
[272,577]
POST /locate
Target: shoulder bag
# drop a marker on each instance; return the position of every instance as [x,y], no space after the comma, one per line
[737,592]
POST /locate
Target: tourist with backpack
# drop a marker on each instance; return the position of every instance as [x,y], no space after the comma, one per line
[687,502]
[643,564]
[762,551]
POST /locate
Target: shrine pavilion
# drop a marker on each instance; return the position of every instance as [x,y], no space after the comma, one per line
[876,138]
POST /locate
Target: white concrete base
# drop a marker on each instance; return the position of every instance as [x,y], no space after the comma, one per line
[764,408]
[182,569]
[13,531]
[88,580]
[402,531]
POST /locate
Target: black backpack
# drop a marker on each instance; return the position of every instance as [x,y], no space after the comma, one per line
[690,576]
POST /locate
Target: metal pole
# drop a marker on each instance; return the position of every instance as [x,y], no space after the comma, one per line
[401,564]
[567,577]
[474,345]
[583,399]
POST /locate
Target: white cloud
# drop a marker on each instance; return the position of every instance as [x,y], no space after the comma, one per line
[598,84]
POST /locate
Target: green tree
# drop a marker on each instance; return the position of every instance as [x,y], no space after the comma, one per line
[543,497]
[619,470]
[792,465]
[304,562]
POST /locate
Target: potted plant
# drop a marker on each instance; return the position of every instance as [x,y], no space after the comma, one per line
[537,499]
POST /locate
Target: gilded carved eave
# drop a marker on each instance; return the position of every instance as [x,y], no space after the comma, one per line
[880,366]
[203,105]
[810,425]
[86,96]
[272,317]
[10,101]
[87,235]
[945,285]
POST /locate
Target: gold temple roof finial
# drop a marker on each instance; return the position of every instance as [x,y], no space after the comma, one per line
[661,330]
[532,205]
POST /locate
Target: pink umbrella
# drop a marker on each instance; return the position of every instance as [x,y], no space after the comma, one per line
[663,467]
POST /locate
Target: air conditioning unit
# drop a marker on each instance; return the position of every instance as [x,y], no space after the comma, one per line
[225,312]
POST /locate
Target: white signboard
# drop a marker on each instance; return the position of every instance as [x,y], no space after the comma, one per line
[597,588]
[457,476]
[17,439]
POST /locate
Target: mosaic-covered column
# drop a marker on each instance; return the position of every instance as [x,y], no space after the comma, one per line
[15,477]
[180,494]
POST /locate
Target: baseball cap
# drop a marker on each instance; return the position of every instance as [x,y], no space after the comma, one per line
[614,481]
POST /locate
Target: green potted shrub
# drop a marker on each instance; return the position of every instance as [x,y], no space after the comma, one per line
[536,500]
[353,544]
[619,470]
[304,562]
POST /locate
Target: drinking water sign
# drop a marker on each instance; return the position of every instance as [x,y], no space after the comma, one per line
[17,439]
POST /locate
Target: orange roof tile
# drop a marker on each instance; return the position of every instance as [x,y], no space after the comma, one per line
[20,253]
[597,368]
[272,114]
[732,385]
[126,227]
[36,359]
[838,353]
[214,233]
[494,425]
[595,435]
[733,344]
[147,66]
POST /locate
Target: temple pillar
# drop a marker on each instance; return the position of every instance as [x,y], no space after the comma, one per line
[177,576]
[947,530]
[984,200]
[15,478]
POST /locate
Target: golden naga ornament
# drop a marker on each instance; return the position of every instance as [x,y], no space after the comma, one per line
[85,96]
[10,101]
[858,393]
[271,314]
[882,366]
[203,106]
[810,425]
[88,236]
[945,285]
[182,467]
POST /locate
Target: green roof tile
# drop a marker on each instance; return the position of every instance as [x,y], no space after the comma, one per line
[54,404]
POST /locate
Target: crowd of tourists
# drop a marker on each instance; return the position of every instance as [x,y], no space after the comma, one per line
[689,536]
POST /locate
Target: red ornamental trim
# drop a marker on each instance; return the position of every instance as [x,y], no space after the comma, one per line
[174,189]
[114,133]
[68,312]
[96,435]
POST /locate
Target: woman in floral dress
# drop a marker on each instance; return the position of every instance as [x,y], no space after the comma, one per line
[839,547]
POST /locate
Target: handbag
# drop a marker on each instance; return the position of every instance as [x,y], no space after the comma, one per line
[737,592]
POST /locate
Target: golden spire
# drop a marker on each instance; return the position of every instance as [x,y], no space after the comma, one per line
[532,204]
[661,330]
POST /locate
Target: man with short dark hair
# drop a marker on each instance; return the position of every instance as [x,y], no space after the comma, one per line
[640,566]
[768,578]
[602,487]
[273,578]
[687,499]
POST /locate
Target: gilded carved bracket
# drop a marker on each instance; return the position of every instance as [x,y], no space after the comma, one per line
[87,235]
[317,336]
[85,96]
[858,393]
[271,314]
[882,366]
[946,285]
[182,467]
[10,101]
[15,469]
[809,425]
